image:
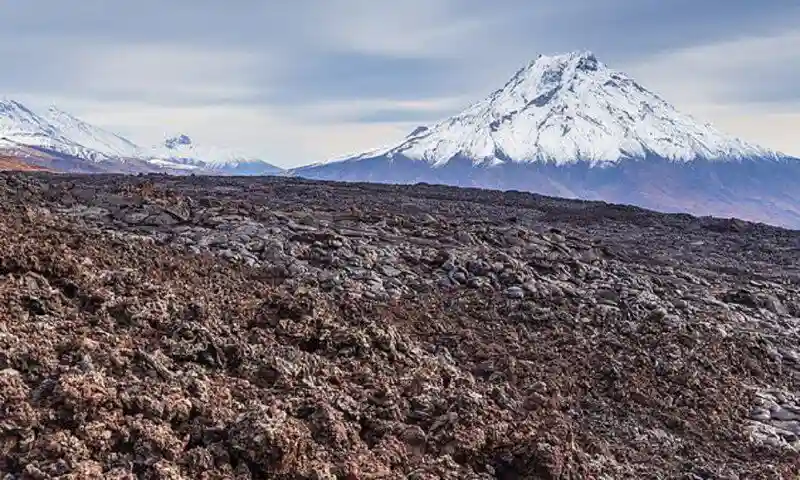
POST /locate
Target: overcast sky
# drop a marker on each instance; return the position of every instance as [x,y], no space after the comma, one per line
[305,80]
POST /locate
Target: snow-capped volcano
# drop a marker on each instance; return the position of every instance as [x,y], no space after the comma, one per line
[568,125]
[569,108]
[181,151]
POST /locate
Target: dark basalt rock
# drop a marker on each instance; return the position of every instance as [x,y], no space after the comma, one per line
[197,327]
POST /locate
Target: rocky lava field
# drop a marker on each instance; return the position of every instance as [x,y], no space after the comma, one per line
[163,327]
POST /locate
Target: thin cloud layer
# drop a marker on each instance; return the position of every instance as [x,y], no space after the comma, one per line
[316,79]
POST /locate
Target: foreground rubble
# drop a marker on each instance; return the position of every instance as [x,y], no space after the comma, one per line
[161,327]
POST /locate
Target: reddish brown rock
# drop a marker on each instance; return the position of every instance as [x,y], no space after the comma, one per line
[345,350]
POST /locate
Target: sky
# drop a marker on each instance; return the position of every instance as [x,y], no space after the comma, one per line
[302,81]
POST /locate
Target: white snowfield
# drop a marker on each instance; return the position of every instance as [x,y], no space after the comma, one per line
[571,108]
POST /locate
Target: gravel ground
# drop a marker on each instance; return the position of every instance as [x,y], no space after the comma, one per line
[168,328]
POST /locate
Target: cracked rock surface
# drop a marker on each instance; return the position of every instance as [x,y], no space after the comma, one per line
[165,327]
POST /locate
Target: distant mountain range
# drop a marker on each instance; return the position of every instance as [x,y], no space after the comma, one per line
[569,126]
[564,125]
[180,152]
[58,141]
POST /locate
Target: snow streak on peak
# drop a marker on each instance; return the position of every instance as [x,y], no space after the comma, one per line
[16,119]
[173,143]
[57,131]
[571,108]
[94,138]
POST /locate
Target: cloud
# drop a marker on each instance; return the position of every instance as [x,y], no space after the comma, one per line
[409,29]
[335,111]
[165,74]
[746,86]
[314,79]
[773,128]
[159,73]
[751,67]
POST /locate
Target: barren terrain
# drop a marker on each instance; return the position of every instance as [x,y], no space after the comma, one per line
[167,328]
[10,163]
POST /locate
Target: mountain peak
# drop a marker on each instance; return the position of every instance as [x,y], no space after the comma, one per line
[59,133]
[174,142]
[579,58]
[570,108]
[550,72]
[577,61]
[9,105]
[569,125]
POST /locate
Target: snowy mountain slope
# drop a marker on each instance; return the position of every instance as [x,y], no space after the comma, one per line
[20,127]
[568,108]
[59,133]
[60,141]
[567,125]
[91,136]
[181,151]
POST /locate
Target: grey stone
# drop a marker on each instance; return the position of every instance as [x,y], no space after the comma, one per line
[773,304]
[459,276]
[135,217]
[784,415]
[515,292]
[390,271]
[657,314]
[464,237]
[760,414]
[478,282]
[161,219]
[680,304]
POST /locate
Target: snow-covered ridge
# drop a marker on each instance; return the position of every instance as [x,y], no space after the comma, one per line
[20,126]
[182,147]
[182,153]
[59,133]
[92,137]
[571,108]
